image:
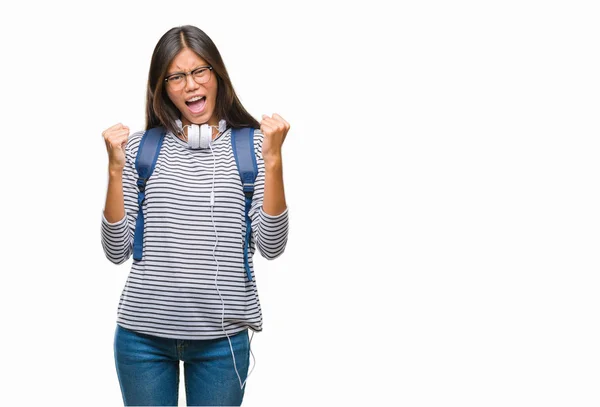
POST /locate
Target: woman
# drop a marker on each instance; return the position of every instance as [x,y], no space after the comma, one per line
[189,297]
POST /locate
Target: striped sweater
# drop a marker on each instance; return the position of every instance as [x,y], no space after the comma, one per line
[178,288]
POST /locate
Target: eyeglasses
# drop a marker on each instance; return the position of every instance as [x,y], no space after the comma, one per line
[177,80]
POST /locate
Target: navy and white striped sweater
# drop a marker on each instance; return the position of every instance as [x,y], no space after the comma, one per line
[171,292]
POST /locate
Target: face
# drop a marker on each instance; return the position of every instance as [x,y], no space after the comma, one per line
[196,112]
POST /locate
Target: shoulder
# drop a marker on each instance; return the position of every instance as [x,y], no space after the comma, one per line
[133,142]
[136,136]
[258,140]
[258,136]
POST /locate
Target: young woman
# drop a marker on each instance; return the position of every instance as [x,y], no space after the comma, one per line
[190,297]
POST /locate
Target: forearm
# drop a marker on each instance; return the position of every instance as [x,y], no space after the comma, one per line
[274,194]
[114,208]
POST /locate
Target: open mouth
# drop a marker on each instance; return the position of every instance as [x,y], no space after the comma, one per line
[196,105]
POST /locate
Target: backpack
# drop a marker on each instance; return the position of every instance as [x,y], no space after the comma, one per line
[242,144]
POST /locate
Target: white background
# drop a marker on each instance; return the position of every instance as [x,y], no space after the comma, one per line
[441,173]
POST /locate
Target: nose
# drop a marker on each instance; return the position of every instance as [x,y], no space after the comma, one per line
[190,82]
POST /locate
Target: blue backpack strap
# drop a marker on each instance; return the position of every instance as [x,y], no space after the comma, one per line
[242,144]
[144,164]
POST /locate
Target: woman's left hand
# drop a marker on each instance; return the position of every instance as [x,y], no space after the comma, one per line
[274,130]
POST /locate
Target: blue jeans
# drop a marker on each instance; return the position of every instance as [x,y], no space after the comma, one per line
[148,369]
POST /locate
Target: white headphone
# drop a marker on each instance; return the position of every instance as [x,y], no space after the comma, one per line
[200,137]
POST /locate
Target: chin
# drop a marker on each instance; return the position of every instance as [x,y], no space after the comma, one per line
[204,118]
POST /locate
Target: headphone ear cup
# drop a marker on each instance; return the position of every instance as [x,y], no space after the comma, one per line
[194,136]
[205,136]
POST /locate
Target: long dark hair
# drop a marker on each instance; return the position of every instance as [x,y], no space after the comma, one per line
[160,111]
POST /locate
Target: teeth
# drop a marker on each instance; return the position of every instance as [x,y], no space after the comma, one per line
[195,98]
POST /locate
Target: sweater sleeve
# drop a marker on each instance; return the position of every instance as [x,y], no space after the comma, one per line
[117,237]
[269,232]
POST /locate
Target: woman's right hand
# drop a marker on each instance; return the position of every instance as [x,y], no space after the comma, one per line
[115,138]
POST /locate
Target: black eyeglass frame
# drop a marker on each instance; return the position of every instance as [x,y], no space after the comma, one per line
[189,73]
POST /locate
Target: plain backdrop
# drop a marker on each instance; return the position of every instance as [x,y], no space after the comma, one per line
[441,174]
